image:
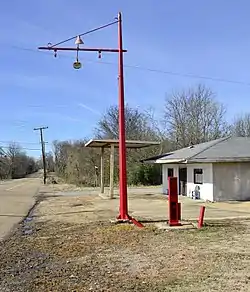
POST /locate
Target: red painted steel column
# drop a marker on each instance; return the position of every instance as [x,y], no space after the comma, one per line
[123,212]
[201,217]
[174,207]
[122,134]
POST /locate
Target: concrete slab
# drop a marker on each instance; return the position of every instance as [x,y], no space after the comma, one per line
[183,226]
[144,204]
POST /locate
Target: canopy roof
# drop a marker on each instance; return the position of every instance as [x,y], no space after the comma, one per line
[129,143]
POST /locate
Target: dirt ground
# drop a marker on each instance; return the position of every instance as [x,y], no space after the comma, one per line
[69,245]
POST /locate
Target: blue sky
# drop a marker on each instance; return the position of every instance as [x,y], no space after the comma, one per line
[208,38]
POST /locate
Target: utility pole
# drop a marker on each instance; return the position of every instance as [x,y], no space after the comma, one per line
[43,151]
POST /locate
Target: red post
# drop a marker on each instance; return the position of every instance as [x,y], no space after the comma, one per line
[122,135]
[173,202]
[201,217]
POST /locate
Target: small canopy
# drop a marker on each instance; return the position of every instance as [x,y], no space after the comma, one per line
[112,144]
[129,143]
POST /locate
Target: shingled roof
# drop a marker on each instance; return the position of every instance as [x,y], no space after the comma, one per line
[229,149]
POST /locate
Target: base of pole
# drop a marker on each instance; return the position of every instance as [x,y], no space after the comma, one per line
[128,219]
[174,223]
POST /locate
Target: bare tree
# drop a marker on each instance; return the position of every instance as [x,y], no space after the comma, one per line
[76,163]
[14,163]
[4,165]
[50,162]
[241,126]
[194,116]
[137,124]
[15,155]
[158,126]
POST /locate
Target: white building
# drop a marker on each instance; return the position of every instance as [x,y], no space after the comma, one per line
[218,170]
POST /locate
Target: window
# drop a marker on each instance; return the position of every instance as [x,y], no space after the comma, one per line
[170,172]
[198,176]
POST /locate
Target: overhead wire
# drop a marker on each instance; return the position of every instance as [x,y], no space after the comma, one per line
[138,67]
[153,70]
[22,148]
[20,142]
[2,147]
[187,75]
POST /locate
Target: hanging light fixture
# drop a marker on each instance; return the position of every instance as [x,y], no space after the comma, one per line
[78,42]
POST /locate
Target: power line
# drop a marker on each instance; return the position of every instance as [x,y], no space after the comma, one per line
[22,142]
[22,148]
[189,75]
[153,70]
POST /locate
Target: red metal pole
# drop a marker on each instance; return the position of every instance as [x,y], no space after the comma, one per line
[122,139]
[201,217]
[122,135]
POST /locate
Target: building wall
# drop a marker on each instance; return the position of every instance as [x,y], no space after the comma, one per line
[231,181]
[206,189]
[165,175]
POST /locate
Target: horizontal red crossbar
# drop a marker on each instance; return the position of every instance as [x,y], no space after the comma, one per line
[81,49]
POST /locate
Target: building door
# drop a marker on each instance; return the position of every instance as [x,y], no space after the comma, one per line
[170,172]
[183,181]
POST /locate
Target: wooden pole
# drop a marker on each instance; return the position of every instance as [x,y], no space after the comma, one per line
[43,152]
[112,165]
[102,170]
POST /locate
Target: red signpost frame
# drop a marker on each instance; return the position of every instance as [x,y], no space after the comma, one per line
[173,205]
[123,211]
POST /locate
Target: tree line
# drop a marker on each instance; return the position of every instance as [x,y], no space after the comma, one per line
[190,116]
[15,163]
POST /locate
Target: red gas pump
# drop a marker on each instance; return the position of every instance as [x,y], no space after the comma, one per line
[174,206]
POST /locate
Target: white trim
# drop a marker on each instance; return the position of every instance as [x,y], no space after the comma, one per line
[166,161]
[223,160]
[88,143]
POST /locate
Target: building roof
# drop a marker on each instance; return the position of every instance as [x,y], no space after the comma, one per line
[106,143]
[229,149]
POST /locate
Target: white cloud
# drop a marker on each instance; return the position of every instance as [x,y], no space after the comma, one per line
[89,109]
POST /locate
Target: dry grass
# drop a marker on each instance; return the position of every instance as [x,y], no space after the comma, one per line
[73,248]
[104,257]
